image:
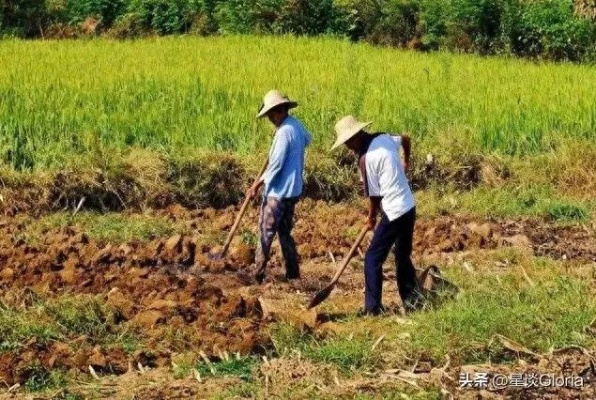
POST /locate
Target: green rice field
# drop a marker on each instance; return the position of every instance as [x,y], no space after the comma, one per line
[178,95]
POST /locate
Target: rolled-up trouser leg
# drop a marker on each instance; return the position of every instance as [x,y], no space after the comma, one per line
[286,241]
[383,238]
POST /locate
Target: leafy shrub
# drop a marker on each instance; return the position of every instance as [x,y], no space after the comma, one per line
[464,25]
[550,29]
[107,11]
[476,25]
[304,17]
[434,17]
[398,24]
[547,29]
[167,17]
[231,17]
[200,18]
[25,18]
[359,17]
[129,25]
[160,16]
[251,16]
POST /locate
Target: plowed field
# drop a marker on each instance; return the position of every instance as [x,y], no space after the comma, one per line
[171,295]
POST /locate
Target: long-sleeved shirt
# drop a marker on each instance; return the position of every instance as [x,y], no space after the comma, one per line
[283,177]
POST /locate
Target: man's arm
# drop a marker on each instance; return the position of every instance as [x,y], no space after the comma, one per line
[406,144]
[254,189]
[372,191]
[277,157]
[374,205]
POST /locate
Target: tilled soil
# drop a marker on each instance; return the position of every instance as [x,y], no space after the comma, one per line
[150,288]
[170,284]
[322,228]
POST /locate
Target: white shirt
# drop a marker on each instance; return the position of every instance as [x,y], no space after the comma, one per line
[384,176]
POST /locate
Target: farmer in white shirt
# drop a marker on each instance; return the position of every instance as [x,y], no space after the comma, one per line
[283,180]
[388,190]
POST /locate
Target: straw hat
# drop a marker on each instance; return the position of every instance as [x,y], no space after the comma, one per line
[346,128]
[272,99]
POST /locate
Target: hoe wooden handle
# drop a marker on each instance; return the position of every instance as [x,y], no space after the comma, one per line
[322,295]
[241,213]
[348,258]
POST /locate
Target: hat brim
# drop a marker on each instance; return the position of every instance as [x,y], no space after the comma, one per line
[345,136]
[265,110]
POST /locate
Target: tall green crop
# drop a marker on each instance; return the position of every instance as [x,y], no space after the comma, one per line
[182,94]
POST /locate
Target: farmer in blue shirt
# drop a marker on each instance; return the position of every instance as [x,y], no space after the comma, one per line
[283,180]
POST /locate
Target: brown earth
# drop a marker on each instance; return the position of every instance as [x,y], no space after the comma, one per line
[322,228]
[169,285]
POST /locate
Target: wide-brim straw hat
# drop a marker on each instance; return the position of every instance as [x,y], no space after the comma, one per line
[272,99]
[346,128]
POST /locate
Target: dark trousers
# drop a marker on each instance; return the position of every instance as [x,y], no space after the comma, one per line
[398,233]
[277,217]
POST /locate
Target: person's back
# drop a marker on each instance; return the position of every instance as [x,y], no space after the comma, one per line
[385,175]
[292,138]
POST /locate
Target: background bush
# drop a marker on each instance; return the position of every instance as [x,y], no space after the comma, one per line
[540,29]
[24,18]
[551,29]
[106,11]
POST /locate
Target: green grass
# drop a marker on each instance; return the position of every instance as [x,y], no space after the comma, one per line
[403,394]
[112,227]
[249,238]
[302,390]
[40,379]
[143,123]
[63,318]
[551,314]
[242,367]
[554,312]
[181,94]
[348,353]
[495,299]
[16,328]
[506,201]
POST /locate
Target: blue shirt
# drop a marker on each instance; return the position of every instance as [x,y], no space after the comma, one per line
[283,176]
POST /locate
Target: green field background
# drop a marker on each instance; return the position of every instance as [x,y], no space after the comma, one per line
[176,95]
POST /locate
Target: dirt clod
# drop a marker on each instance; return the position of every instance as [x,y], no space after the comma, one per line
[6,274]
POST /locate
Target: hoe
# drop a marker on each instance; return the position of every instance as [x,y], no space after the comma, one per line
[322,295]
[226,246]
[431,280]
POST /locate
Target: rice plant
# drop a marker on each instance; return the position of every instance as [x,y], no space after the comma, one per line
[178,95]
